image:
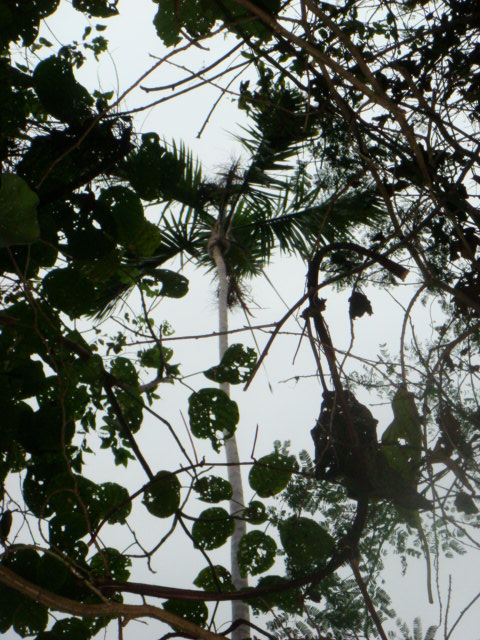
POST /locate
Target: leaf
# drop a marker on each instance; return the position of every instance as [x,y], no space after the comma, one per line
[212,529]
[289,600]
[174,284]
[212,415]
[30,617]
[108,497]
[306,543]
[146,167]
[465,504]
[70,291]
[162,498]
[110,563]
[127,212]
[256,553]
[193,610]
[71,629]
[58,90]
[213,489]
[255,513]
[271,474]
[18,211]
[215,578]
[236,366]
[52,574]
[146,241]
[98,8]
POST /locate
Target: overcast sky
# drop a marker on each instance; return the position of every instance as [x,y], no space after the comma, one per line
[290,411]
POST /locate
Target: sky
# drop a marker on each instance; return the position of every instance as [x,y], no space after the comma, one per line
[285,397]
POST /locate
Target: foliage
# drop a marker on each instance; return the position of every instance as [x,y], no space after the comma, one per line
[362,160]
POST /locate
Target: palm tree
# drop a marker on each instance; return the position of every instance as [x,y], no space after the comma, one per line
[232,226]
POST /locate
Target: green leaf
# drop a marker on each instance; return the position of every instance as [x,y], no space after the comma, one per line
[174,284]
[71,629]
[98,8]
[127,212]
[256,553]
[110,563]
[155,357]
[52,574]
[111,496]
[236,366]
[18,212]
[193,610]
[9,601]
[212,415]
[271,474]
[213,489]
[215,578]
[146,241]
[146,167]
[289,600]
[70,291]
[212,529]
[162,498]
[30,617]
[58,90]
[306,544]
[255,513]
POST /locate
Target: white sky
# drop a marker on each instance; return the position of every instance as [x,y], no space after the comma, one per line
[290,411]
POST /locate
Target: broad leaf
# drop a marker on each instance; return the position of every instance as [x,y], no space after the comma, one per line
[213,489]
[162,498]
[127,212]
[255,513]
[71,629]
[212,415]
[193,610]
[236,366]
[215,578]
[110,563]
[256,553]
[98,8]
[289,600]
[271,474]
[58,90]
[306,544]
[174,285]
[30,617]
[18,211]
[212,529]
[70,291]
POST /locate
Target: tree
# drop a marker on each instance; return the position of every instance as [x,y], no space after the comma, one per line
[382,102]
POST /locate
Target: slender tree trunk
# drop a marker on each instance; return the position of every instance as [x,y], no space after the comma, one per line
[239,609]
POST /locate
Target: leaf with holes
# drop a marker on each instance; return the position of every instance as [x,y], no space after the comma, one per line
[236,366]
[212,529]
[212,415]
[162,498]
[256,553]
[215,578]
[213,489]
[271,474]
[306,544]
[18,212]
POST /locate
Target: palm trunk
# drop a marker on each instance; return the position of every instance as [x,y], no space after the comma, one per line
[240,610]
